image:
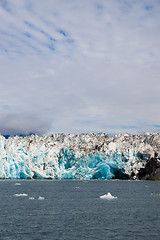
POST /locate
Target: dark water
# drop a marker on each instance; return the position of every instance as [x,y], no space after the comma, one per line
[73,210]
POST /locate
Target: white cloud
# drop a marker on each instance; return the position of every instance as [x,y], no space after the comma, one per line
[80,66]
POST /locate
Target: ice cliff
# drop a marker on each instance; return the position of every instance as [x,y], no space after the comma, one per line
[80,156]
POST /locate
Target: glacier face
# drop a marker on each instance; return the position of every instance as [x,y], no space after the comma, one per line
[76,156]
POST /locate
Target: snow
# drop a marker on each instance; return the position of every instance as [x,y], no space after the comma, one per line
[75,156]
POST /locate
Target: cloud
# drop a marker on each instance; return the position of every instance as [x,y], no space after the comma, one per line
[79,66]
[12,124]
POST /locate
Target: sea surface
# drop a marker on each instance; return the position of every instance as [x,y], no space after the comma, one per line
[73,210]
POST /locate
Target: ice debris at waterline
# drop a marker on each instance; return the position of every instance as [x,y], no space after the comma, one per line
[80,156]
[21,195]
[107,196]
[41,198]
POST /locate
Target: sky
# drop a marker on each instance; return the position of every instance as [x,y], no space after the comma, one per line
[79,66]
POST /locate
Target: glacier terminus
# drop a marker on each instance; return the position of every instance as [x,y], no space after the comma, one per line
[80,156]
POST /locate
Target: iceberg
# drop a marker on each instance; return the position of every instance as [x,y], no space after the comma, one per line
[80,156]
[31,198]
[17,184]
[107,196]
[41,198]
[21,195]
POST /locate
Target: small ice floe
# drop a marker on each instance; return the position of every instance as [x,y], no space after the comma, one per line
[17,184]
[107,196]
[155,194]
[77,187]
[41,198]
[31,198]
[21,195]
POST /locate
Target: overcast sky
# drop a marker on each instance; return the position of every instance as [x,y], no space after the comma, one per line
[79,66]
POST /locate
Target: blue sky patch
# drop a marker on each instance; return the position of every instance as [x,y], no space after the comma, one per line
[27,35]
[156,126]
[4,5]
[63,33]
[6,107]
[149,7]
[127,127]
[52,39]
[69,40]
[30,24]
[51,48]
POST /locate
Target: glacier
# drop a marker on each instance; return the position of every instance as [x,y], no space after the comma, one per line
[80,156]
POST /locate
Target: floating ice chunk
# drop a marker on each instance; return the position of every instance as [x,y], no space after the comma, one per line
[31,198]
[41,198]
[17,184]
[21,195]
[107,196]
[155,194]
